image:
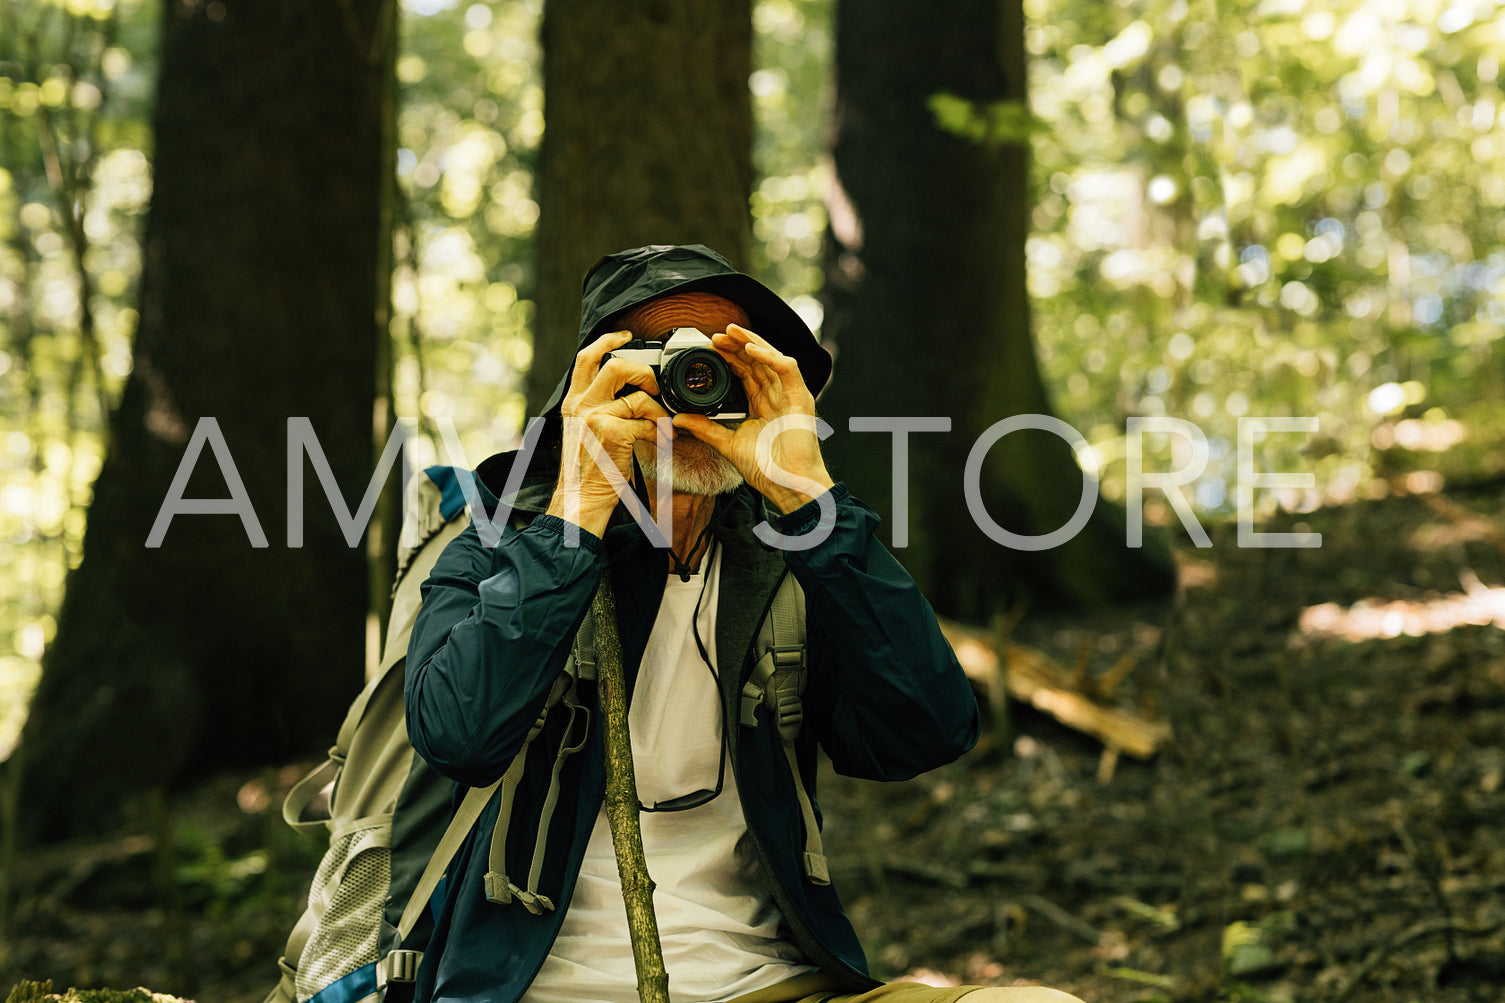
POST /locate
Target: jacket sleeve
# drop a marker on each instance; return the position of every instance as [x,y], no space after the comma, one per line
[888,698]
[494,631]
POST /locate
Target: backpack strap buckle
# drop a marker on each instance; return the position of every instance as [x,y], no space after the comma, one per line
[498,888]
[399,966]
[752,699]
[788,657]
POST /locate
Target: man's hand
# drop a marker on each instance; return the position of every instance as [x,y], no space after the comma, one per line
[592,410]
[792,471]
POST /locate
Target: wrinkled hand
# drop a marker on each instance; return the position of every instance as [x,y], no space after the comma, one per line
[776,449]
[584,494]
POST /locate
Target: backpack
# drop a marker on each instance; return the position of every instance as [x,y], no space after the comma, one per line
[380,803]
[392,821]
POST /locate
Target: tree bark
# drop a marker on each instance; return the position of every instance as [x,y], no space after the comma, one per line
[927,308]
[648,141]
[262,298]
[622,803]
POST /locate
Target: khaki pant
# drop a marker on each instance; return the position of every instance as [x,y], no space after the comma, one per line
[816,988]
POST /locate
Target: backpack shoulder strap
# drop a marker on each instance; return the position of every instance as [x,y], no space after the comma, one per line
[777,684]
[402,965]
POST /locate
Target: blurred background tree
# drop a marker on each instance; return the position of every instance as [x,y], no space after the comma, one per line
[649,141]
[263,291]
[928,315]
[1271,209]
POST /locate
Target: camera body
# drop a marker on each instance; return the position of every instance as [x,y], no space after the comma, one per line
[693,378]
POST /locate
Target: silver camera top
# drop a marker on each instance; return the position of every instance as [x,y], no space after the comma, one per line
[653,353]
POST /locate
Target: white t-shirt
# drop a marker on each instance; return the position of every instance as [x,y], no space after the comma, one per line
[719,928]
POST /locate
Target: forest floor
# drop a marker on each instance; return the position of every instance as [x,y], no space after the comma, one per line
[1327,822]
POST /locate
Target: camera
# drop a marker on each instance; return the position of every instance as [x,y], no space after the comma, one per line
[692,376]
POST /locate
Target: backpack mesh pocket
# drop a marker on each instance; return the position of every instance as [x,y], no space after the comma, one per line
[351,884]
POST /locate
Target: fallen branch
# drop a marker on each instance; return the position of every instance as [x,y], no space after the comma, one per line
[1031,676]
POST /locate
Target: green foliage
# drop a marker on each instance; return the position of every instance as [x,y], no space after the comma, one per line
[75,79]
[989,124]
[1247,954]
[1244,950]
[469,121]
[210,879]
[1162,917]
[28,992]
[1297,217]
[792,52]
[1143,978]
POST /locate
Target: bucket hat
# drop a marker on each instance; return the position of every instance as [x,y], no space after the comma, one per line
[618,282]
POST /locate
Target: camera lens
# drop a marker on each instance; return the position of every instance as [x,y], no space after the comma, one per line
[700,378]
[697,381]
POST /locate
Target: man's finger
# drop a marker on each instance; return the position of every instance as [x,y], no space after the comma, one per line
[784,365]
[744,333]
[783,370]
[736,358]
[757,347]
[755,373]
[588,360]
[747,336]
[712,433]
[641,405]
[630,406]
[616,374]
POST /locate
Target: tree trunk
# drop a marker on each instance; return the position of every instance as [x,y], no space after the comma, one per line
[648,141]
[926,305]
[263,291]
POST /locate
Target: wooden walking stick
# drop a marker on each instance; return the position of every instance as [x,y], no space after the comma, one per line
[622,802]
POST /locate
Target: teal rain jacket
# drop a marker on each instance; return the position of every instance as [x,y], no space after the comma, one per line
[886,700]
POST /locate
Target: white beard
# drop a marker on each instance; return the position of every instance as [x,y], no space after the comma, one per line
[698,468]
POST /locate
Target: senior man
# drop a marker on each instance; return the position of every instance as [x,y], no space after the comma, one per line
[745,908]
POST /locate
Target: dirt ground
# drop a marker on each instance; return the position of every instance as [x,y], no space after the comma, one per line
[1326,824]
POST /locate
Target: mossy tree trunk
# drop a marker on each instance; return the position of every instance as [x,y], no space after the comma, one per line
[263,298]
[648,141]
[927,309]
